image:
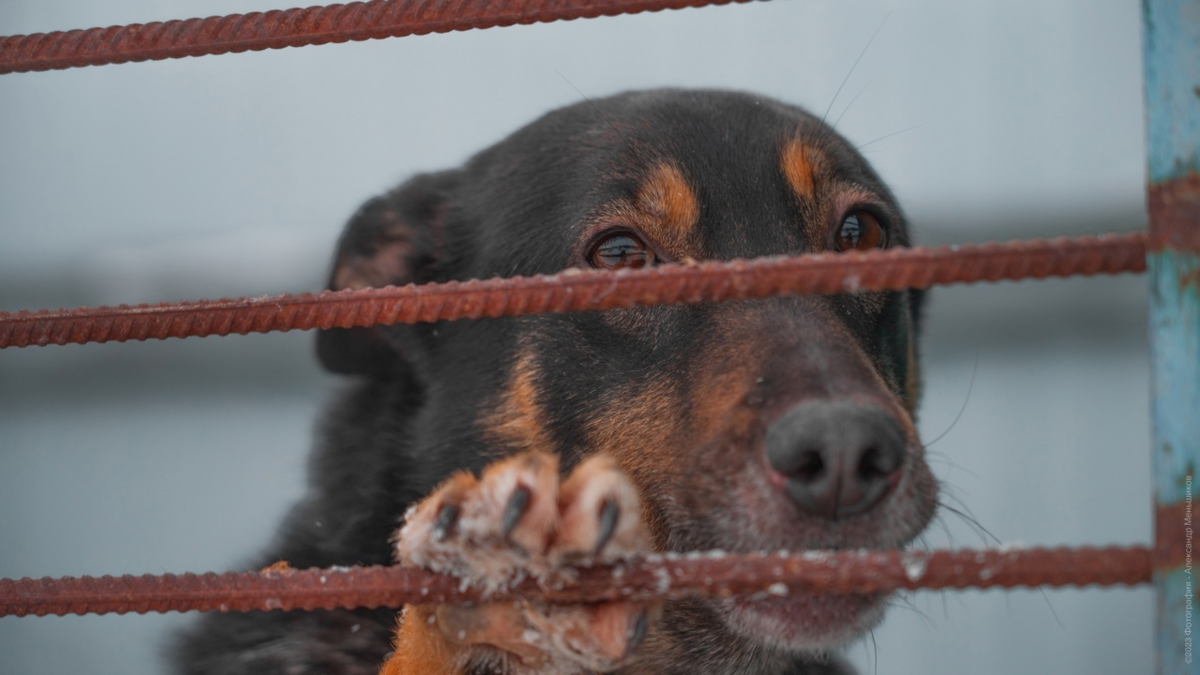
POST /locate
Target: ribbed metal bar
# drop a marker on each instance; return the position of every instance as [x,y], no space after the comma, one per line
[1172,62]
[298,27]
[576,290]
[714,574]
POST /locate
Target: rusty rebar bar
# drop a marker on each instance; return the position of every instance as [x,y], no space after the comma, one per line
[576,290]
[713,574]
[297,27]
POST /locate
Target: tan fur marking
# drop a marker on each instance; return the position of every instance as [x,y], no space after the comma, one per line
[638,429]
[666,196]
[421,649]
[623,425]
[277,567]
[802,166]
[719,408]
[517,420]
[665,209]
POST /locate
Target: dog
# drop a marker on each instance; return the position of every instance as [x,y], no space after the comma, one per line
[515,446]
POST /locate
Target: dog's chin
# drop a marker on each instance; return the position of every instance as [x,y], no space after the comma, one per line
[805,623]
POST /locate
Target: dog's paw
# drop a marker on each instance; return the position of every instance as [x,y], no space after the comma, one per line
[516,521]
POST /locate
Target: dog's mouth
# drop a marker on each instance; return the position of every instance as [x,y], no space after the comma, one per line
[805,622]
[757,514]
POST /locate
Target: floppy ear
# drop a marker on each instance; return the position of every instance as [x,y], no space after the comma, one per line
[393,240]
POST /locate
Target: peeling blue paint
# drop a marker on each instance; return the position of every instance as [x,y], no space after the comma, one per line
[1175,344]
[1171,39]
[1175,337]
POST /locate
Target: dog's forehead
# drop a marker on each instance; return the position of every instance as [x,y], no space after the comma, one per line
[717,127]
[704,174]
[721,165]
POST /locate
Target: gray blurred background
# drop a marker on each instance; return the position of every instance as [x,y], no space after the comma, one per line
[232,175]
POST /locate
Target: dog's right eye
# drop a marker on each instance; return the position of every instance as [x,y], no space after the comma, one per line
[860,231]
[621,251]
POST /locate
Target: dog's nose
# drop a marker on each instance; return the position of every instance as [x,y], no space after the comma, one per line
[838,458]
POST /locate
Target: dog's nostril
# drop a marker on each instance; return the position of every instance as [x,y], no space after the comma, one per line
[874,464]
[811,466]
[868,468]
[837,458]
[878,462]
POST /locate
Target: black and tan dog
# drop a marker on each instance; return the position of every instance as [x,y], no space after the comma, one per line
[516,445]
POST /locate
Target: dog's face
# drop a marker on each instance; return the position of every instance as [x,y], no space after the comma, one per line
[748,426]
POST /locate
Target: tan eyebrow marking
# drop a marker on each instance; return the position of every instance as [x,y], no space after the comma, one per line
[667,197]
[802,166]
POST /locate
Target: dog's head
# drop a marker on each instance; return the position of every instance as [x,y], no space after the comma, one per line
[752,425]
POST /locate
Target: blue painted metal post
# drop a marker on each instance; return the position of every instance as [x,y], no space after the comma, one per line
[1172,52]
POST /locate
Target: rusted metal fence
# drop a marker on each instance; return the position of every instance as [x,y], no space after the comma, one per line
[636,579]
[578,290]
[298,27]
[1170,249]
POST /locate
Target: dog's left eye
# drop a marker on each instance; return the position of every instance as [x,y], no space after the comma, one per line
[621,251]
[860,231]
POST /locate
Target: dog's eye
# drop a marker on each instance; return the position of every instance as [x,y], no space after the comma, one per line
[860,231]
[621,251]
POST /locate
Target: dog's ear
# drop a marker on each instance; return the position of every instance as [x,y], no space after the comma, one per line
[393,240]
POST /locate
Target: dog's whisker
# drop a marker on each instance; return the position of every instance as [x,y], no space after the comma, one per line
[887,136]
[966,400]
[947,460]
[628,146]
[902,601]
[874,653]
[850,105]
[984,534]
[923,544]
[948,490]
[946,531]
[1050,606]
[846,79]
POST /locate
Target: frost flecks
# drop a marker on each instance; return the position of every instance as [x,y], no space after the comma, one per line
[914,567]
[663,579]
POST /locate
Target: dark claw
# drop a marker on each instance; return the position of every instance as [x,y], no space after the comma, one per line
[608,524]
[517,503]
[443,525]
[637,633]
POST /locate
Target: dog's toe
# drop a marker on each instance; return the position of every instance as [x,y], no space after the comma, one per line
[519,502]
[490,531]
[601,515]
[516,520]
